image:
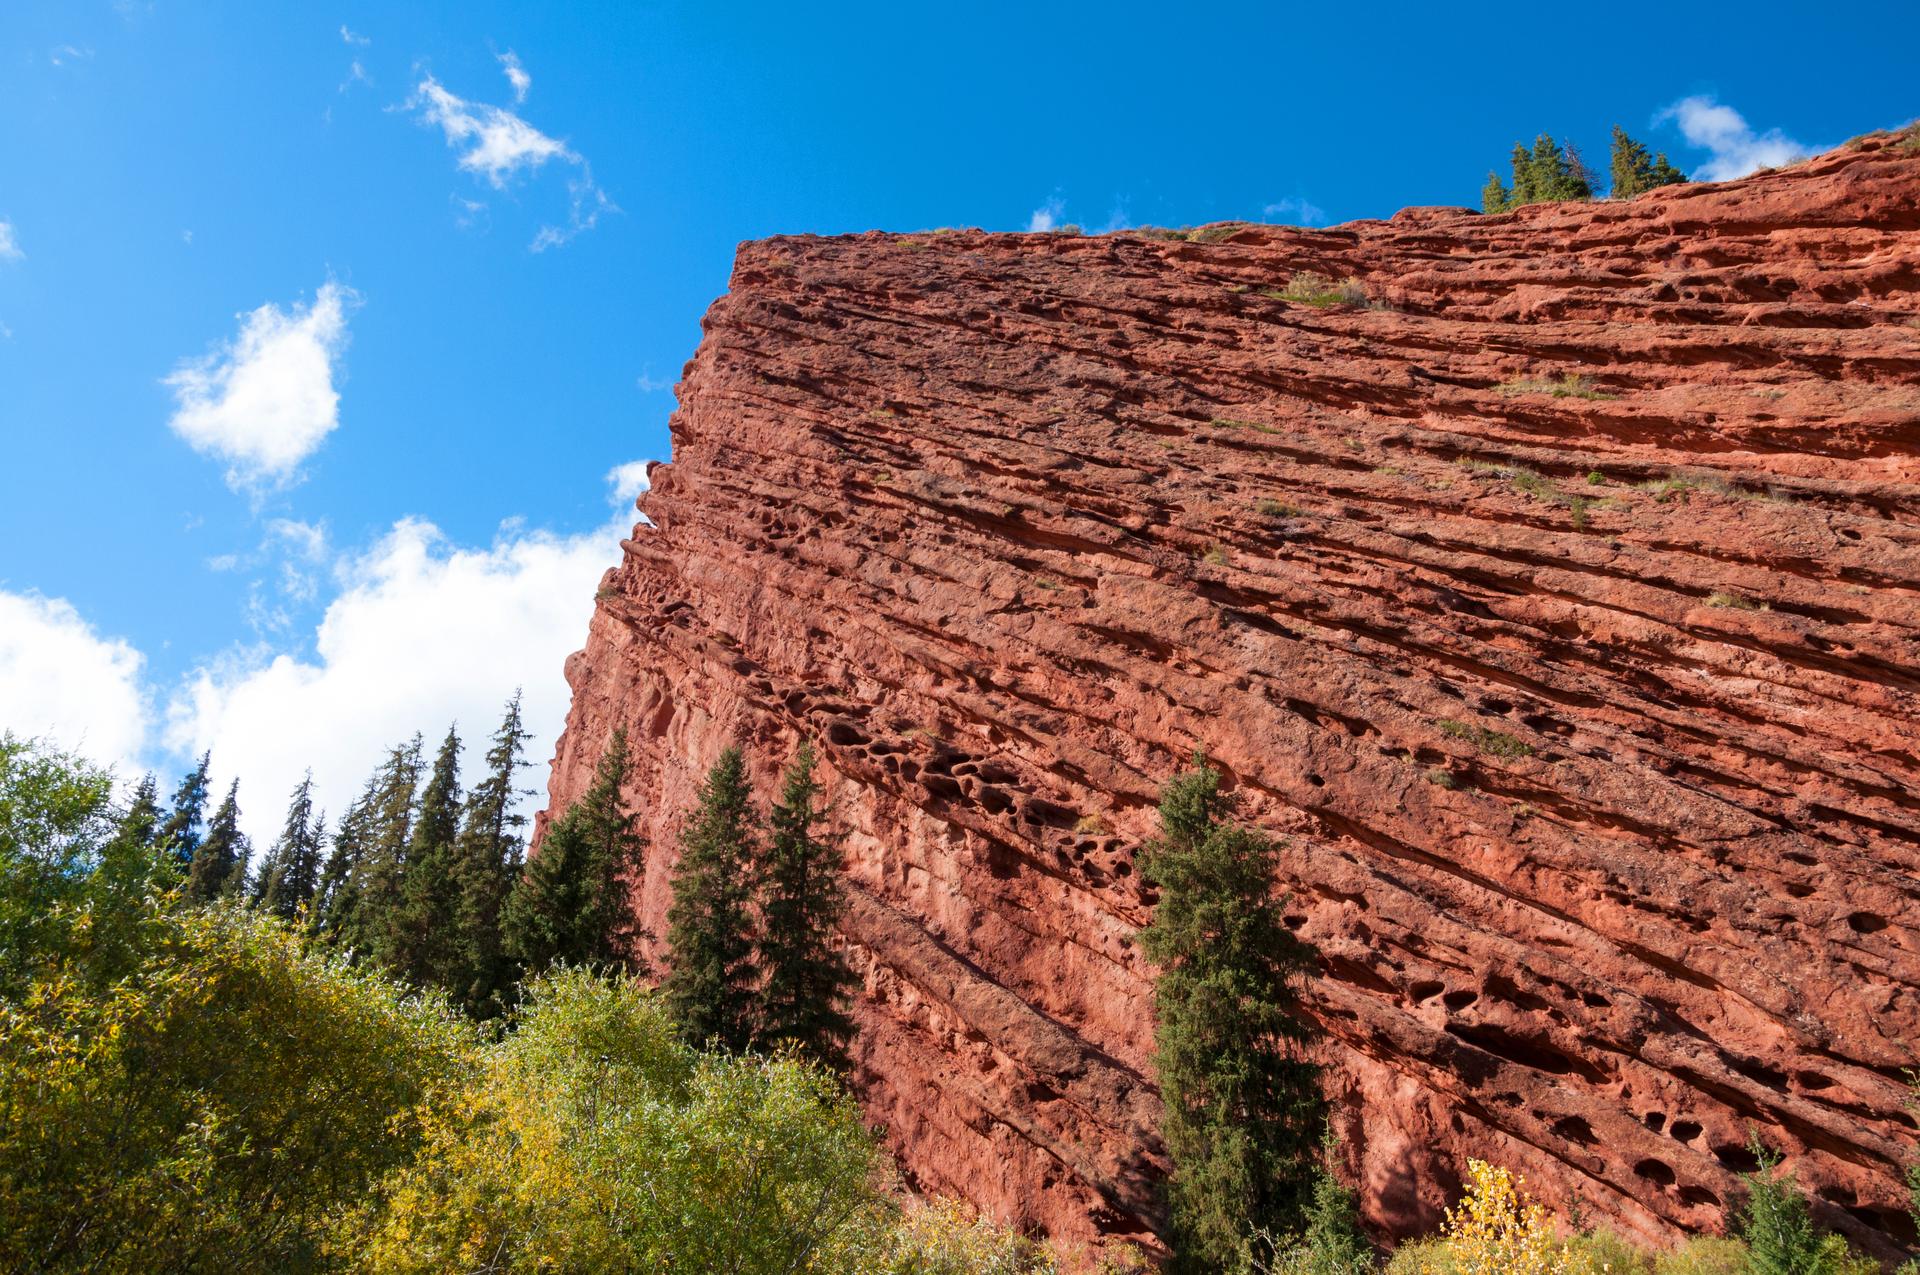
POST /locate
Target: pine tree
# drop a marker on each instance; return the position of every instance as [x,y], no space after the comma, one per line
[1244,1110]
[290,875]
[572,902]
[1333,1241]
[386,819]
[139,826]
[219,868]
[1634,172]
[1546,173]
[487,863]
[807,980]
[1495,197]
[1778,1227]
[419,940]
[709,986]
[180,834]
[336,903]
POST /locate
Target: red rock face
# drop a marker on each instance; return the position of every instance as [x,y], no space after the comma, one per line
[1591,720]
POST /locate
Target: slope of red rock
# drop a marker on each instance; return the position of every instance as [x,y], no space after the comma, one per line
[1591,718]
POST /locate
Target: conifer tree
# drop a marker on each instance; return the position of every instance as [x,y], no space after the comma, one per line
[139,826]
[709,986]
[1634,171]
[1494,196]
[1778,1227]
[386,817]
[1244,1110]
[806,979]
[180,834]
[572,900]
[420,942]
[219,868]
[336,902]
[290,875]
[487,863]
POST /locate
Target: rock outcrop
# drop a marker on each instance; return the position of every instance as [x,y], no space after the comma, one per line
[1589,707]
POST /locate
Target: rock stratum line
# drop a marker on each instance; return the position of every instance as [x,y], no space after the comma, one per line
[1602,797]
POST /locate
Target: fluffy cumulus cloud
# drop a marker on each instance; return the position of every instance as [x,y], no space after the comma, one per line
[1734,148]
[264,401]
[9,243]
[499,147]
[422,633]
[62,680]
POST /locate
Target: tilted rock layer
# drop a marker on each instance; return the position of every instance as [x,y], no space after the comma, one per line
[1589,711]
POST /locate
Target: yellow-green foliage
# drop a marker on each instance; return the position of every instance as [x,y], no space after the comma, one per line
[1705,1255]
[592,1140]
[1496,1229]
[944,1237]
[219,1109]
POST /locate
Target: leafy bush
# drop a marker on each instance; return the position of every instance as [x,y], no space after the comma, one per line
[944,1237]
[592,1139]
[219,1109]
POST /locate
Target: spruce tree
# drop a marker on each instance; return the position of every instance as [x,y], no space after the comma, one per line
[386,817]
[336,902]
[1333,1243]
[219,868]
[1634,171]
[806,979]
[140,825]
[1244,1110]
[419,939]
[1494,196]
[290,876]
[180,834]
[572,902]
[487,863]
[709,986]
[1778,1227]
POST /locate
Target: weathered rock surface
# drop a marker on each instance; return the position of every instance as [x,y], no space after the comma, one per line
[1602,799]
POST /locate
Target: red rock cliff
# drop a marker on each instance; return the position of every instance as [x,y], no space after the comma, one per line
[1592,719]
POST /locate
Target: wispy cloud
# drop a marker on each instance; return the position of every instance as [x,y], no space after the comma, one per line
[1295,211]
[9,243]
[499,147]
[1047,216]
[63,54]
[1734,148]
[350,37]
[516,75]
[265,401]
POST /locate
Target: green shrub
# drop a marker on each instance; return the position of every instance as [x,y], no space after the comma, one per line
[592,1139]
[219,1109]
[1487,740]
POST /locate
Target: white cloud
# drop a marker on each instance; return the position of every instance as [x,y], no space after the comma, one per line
[1735,149]
[66,53]
[1047,216]
[1305,212]
[356,74]
[9,243]
[516,75]
[61,679]
[264,402]
[424,632]
[349,37]
[499,145]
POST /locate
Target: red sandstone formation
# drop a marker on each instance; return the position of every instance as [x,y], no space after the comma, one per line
[1592,719]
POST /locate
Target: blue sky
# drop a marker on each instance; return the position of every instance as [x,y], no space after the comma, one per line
[325,330]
